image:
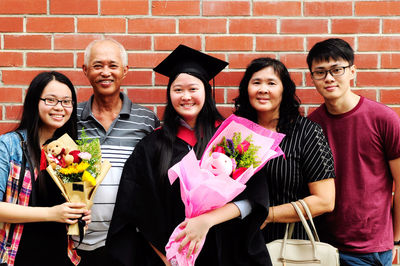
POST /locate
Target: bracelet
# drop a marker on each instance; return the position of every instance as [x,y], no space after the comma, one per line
[397,243]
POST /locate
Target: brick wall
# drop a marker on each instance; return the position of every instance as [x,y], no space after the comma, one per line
[37,35]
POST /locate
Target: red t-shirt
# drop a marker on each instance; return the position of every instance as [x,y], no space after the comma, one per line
[362,140]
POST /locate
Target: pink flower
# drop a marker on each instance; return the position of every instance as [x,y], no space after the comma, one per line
[238,172]
[85,155]
[243,147]
[220,149]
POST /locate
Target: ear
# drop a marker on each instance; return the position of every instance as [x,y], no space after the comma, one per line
[125,69]
[85,69]
[353,71]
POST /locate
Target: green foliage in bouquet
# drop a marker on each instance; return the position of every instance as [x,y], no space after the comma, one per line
[244,152]
[92,146]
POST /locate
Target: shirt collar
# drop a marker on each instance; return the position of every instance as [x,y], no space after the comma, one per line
[125,110]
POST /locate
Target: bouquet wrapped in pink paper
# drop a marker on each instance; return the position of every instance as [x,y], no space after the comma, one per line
[237,151]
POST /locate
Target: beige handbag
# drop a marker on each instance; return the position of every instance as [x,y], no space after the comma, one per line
[289,251]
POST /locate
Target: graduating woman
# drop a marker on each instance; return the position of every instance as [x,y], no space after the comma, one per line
[267,96]
[33,213]
[148,207]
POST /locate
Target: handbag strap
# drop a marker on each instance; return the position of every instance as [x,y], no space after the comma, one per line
[308,231]
[308,212]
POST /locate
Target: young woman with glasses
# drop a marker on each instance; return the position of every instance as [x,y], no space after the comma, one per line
[33,213]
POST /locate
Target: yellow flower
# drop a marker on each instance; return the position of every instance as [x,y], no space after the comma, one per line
[89,178]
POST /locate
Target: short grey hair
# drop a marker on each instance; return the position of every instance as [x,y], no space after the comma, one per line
[88,50]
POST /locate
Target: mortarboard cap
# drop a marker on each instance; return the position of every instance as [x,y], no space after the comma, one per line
[187,60]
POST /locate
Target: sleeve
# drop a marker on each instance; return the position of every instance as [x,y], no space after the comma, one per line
[316,156]
[137,206]
[4,165]
[391,135]
[244,207]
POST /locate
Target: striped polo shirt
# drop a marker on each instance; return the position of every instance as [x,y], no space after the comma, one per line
[133,123]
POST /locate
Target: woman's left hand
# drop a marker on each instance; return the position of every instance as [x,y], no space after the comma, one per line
[194,231]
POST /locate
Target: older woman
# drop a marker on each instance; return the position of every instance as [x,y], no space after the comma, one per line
[267,97]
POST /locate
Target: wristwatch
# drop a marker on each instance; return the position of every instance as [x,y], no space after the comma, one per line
[397,243]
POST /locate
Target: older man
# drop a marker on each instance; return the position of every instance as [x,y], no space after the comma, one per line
[119,124]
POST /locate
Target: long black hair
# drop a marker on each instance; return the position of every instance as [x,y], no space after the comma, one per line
[31,121]
[204,127]
[289,107]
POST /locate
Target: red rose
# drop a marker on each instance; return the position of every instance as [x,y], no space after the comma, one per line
[220,149]
[243,147]
[238,172]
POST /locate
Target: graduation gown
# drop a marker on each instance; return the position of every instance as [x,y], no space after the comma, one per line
[148,208]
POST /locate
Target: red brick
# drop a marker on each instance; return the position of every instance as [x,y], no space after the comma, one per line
[175,8]
[391,26]
[294,60]
[148,95]
[18,77]
[229,43]
[133,42]
[309,96]
[243,60]
[13,112]
[49,60]
[11,95]
[7,127]
[390,96]
[226,8]
[23,7]
[151,25]
[313,40]
[83,94]
[232,94]
[279,43]
[138,78]
[169,43]
[160,111]
[297,78]
[75,7]
[160,80]
[370,94]
[146,60]
[306,26]
[377,8]
[277,8]
[86,25]
[124,7]
[219,95]
[390,60]
[397,110]
[229,78]
[225,110]
[27,42]
[374,78]
[357,26]
[328,8]
[77,77]
[9,59]
[50,24]
[73,42]
[252,26]
[11,24]
[379,43]
[366,61]
[202,25]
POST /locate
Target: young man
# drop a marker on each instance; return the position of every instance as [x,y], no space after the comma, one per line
[365,140]
[119,124]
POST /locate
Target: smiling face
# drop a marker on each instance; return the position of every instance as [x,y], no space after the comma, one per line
[187,97]
[105,70]
[333,87]
[265,92]
[54,117]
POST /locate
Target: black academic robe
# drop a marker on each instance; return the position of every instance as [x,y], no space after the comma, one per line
[148,208]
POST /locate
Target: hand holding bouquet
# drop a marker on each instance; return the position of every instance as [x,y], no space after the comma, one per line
[210,183]
[76,169]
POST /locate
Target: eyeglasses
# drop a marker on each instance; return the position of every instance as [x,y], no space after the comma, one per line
[54,101]
[335,72]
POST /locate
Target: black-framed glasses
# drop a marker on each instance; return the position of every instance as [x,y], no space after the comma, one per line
[335,72]
[54,101]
